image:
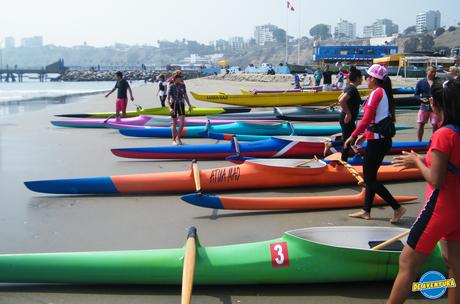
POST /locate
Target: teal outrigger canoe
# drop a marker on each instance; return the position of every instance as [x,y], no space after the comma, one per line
[311,255]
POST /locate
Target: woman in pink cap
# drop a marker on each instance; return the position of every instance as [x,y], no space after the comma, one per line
[376,127]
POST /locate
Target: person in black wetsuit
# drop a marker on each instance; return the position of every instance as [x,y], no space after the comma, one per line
[350,101]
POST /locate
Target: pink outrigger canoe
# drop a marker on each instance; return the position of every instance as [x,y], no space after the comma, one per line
[138,122]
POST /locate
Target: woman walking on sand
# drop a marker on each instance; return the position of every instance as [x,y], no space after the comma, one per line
[440,218]
[379,108]
[162,89]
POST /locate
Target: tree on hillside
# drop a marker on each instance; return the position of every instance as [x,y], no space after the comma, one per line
[411,45]
[279,35]
[410,29]
[321,31]
[439,31]
[426,42]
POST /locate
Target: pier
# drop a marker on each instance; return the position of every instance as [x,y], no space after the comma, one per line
[17,74]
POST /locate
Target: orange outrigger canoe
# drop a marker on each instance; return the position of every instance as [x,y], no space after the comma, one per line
[284,203]
[252,174]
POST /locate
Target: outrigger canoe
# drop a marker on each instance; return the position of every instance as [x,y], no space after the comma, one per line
[402,90]
[284,203]
[160,111]
[252,174]
[252,128]
[136,122]
[273,147]
[309,98]
[291,114]
[309,255]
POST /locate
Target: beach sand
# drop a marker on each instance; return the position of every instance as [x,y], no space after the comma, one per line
[31,148]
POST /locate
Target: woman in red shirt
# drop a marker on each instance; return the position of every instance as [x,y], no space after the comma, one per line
[440,218]
[379,106]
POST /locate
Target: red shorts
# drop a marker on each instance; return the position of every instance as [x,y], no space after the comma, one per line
[435,222]
[121,105]
[423,117]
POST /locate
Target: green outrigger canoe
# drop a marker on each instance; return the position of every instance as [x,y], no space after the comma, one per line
[160,111]
[311,255]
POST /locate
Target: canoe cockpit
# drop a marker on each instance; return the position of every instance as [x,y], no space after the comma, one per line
[349,237]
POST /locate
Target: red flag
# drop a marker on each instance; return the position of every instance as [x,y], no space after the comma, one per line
[290,7]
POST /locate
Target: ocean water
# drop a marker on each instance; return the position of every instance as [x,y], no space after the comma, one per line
[32,95]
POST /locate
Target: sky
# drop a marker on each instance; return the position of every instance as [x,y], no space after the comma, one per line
[105,22]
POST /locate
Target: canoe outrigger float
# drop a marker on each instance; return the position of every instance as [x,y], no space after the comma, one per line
[310,255]
[252,174]
[284,203]
[160,111]
[308,98]
[272,147]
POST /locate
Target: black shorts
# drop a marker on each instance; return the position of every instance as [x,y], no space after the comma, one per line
[178,109]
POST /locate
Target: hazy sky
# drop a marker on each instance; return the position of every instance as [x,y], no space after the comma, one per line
[103,22]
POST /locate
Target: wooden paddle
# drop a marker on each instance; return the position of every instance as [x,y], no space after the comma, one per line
[196,175]
[188,271]
[338,158]
[390,241]
[304,162]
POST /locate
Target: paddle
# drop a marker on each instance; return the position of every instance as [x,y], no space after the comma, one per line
[196,176]
[236,145]
[337,157]
[304,162]
[189,267]
[105,121]
[390,241]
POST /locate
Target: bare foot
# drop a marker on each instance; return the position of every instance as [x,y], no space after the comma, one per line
[397,215]
[361,214]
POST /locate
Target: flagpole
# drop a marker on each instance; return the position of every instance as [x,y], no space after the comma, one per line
[287,12]
[300,19]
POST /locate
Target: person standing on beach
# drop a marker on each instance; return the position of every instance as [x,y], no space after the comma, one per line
[122,97]
[327,78]
[438,221]
[177,93]
[350,101]
[318,75]
[296,81]
[162,89]
[423,93]
[340,78]
[379,109]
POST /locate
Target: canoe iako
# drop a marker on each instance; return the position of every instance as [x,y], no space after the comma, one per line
[252,174]
[310,255]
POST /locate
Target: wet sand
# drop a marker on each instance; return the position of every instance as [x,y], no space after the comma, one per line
[31,148]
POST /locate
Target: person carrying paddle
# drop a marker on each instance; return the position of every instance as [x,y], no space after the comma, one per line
[350,101]
[440,218]
[122,96]
[377,125]
[177,93]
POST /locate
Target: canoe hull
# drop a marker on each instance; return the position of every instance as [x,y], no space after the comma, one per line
[280,173]
[289,259]
[272,147]
[309,98]
[160,111]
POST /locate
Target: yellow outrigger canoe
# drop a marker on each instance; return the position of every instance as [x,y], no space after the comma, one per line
[284,99]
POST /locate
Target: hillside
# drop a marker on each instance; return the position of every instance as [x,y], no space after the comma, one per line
[448,39]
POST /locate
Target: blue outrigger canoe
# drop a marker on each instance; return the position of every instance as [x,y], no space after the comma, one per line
[248,128]
[273,147]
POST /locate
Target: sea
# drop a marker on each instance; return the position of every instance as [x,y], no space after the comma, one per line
[33,95]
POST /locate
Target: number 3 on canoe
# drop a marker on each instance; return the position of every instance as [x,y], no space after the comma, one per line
[279,253]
